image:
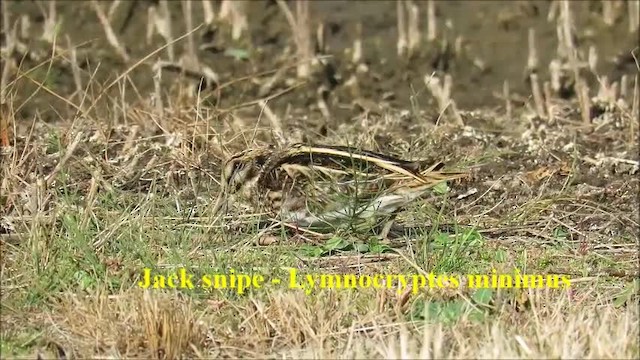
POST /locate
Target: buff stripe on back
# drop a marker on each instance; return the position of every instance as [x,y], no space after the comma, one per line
[383,163]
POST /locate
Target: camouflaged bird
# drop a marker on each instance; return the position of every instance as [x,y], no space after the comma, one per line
[311,186]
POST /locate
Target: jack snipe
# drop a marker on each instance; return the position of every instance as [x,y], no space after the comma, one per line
[313,186]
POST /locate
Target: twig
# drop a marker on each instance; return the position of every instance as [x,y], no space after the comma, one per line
[275,123]
[157,96]
[442,94]
[72,147]
[130,68]
[201,72]
[75,68]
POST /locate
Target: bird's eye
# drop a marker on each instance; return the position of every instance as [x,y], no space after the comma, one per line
[236,167]
[232,173]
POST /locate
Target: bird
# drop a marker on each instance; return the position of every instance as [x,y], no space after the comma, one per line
[311,186]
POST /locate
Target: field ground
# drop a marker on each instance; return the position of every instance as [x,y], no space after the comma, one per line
[102,178]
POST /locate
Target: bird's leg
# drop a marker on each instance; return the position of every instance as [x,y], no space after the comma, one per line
[384,234]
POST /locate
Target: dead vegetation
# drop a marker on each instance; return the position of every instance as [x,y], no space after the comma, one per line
[111,157]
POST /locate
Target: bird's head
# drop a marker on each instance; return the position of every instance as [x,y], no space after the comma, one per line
[239,174]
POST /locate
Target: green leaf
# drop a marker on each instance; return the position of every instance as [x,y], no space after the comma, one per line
[453,311]
[477,315]
[442,238]
[335,243]
[630,289]
[560,233]
[482,296]
[441,188]
[500,256]
[363,248]
[380,248]
[237,54]
[311,251]
[471,237]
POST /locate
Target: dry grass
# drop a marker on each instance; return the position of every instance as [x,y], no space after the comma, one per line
[289,325]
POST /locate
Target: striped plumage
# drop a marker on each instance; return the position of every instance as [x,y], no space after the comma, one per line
[316,185]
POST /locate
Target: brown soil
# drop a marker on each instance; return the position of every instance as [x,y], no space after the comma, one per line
[493,32]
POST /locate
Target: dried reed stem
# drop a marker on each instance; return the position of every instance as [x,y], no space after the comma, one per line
[9,48]
[634,15]
[413,26]
[235,12]
[431,21]
[546,88]
[301,28]
[5,114]
[191,45]
[635,109]
[25,26]
[537,95]
[75,68]
[322,104]
[50,23]
[276,124]
[562,49]
[207,9]
[624,86]
[320,42]
[532,69]
[555,73]
[592,59]
[112,9]
[157,86]
[61,164]
[109,33]
[356,56]
[159,20]
[608,14]
[402,28]
[507,99]
[532,59]
[580,86]
[442,94]
[553,11]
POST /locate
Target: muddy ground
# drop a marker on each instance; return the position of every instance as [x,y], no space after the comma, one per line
[493,34]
